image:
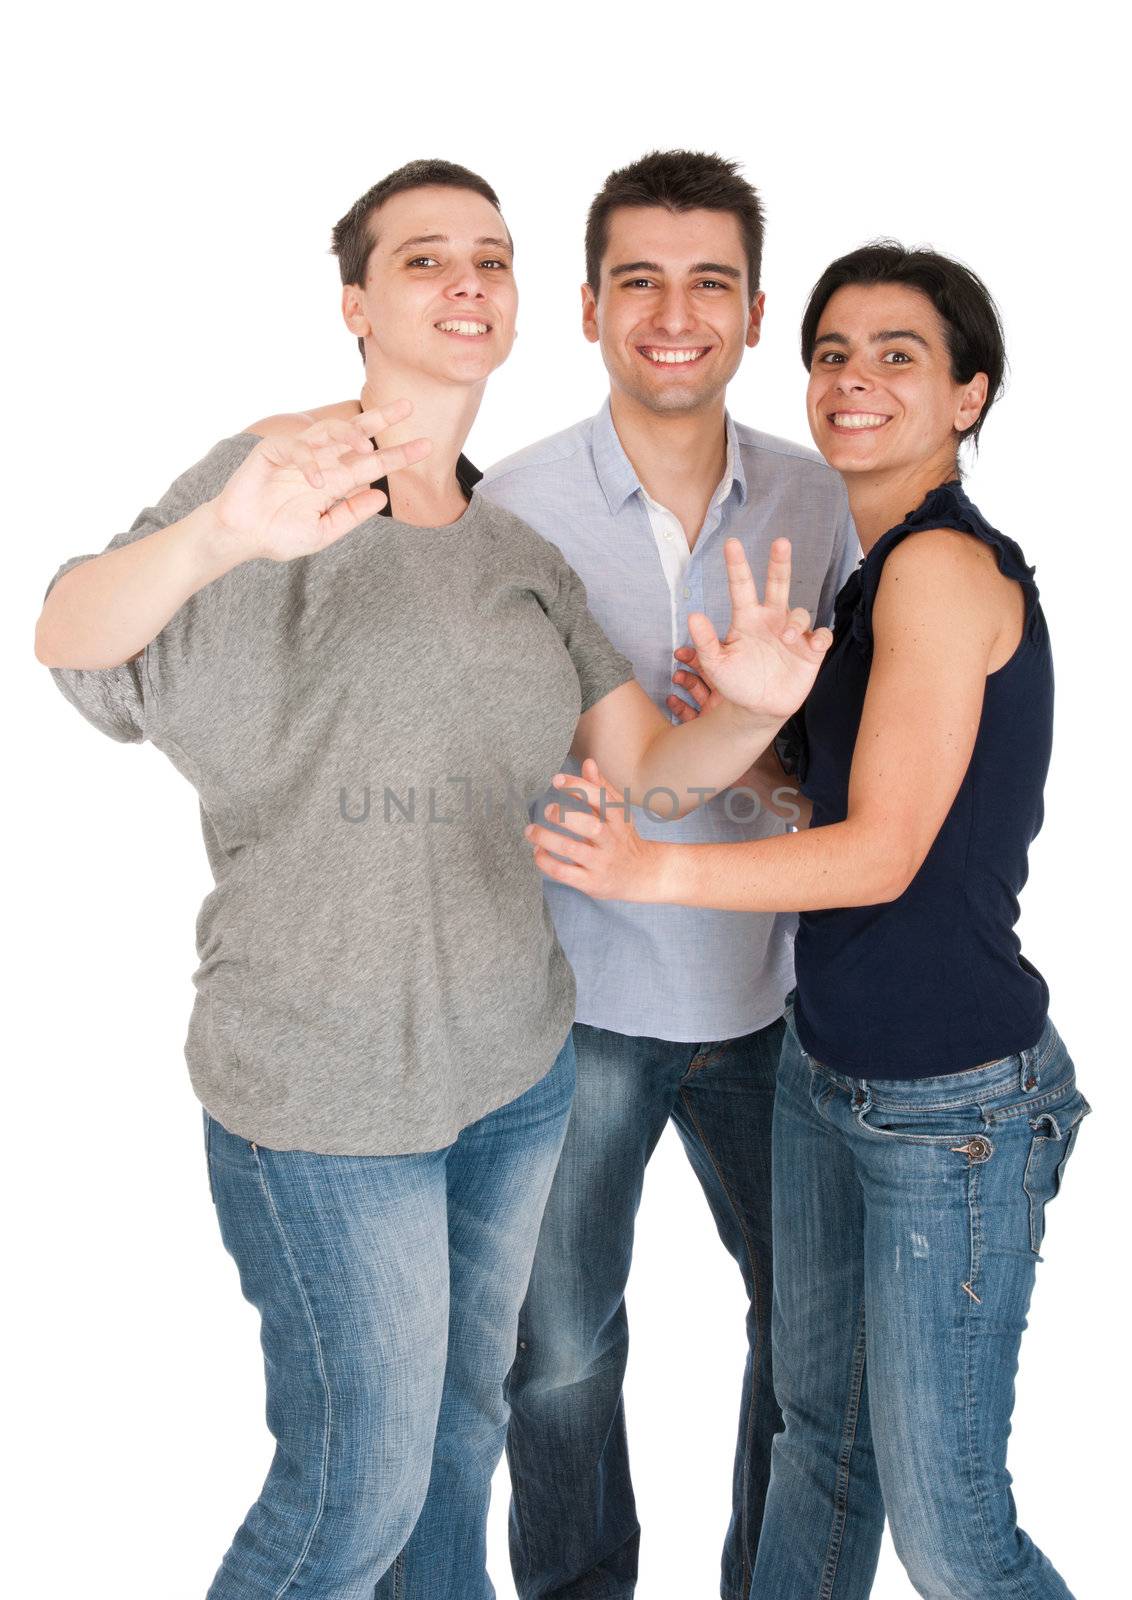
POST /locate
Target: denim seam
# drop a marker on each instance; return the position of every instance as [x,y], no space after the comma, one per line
[289,1256]
[522,1515]
[843,1479]
[973,1309]
[760,1318]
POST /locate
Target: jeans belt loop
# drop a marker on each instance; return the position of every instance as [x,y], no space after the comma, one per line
[862,1099]
[1028,1061]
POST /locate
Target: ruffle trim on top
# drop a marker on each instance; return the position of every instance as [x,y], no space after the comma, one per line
[945,507]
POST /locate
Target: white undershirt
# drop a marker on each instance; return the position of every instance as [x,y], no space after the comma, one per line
[671,540]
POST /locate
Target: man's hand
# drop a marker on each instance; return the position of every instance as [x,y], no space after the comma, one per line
[297,493]
[770,658]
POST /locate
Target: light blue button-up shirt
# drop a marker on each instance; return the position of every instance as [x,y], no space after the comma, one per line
[674,972]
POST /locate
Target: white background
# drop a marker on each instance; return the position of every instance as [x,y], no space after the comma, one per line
[175,175]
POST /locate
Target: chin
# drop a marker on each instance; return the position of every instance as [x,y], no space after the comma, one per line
[669,400]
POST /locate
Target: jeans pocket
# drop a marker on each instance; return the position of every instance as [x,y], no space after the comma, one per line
[1054,1135]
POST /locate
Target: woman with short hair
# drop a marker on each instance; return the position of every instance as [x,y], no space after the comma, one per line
[381,1032]
[926,1105]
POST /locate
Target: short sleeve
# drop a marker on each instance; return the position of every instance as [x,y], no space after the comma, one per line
[120,701]
[600,667]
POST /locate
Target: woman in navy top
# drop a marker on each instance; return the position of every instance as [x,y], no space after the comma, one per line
[926,1106]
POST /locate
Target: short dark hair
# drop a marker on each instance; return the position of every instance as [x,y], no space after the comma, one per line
[680,180]
[971,320]
[351,240]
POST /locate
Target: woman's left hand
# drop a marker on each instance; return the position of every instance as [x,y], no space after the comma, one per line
[605,855]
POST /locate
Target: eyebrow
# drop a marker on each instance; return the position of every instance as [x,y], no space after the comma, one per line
[876,338]
[442,238]
[717,267]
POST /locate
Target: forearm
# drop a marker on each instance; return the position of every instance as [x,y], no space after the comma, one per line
[695,760]
[107,609]
[778,792]
[844,864]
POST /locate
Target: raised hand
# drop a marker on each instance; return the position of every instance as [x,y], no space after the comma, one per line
[297,493]
[770,657]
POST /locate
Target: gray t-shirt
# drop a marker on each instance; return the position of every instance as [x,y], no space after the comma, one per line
[364,727]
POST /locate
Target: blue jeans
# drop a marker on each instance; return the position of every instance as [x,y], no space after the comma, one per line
[908,1218]
[389,1291]
[574,1531]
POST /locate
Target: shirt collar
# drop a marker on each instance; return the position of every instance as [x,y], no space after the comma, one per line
[618,477]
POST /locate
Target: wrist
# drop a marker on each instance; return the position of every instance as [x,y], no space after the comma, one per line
[213,547]
[663,874]
[757,728]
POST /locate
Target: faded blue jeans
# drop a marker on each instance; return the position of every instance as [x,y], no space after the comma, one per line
[574,1529]
[908,1218]
[389,1290]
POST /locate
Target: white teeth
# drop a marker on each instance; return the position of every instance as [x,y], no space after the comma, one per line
[857,419]
[672,357]
[462,327]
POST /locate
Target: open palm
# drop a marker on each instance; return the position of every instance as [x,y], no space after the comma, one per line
[770,656]
[294,494]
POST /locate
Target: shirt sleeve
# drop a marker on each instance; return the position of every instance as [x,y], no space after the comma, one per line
[843,562]
[120,701]
[600,667]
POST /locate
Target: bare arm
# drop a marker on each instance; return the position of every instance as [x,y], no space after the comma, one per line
[760,673]
[766,777]
[943,618]
[291,496]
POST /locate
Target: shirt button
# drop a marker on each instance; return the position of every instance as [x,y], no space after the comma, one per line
[687,594]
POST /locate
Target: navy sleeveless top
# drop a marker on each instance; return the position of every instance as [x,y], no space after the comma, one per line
[935,981]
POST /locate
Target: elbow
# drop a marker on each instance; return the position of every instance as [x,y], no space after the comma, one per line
[894,875]
[886,865]
[45,648]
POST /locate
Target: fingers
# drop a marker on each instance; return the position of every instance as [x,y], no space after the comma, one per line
[592,788]
[694,686]
[341,478]
[820,640]
[560,844]
[378,418]
[583,823]
[681,709]
[345,515]
[740,581]
[704,635]
[561,871]
[398,456]
[778,576]
[797,623]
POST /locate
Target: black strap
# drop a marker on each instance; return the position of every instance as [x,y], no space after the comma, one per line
[467,476]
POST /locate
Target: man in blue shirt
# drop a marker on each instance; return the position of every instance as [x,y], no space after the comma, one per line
[679,1010]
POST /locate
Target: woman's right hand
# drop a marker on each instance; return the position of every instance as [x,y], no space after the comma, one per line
[297,493]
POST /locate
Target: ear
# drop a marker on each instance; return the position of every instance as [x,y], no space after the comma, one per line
[755,319]
[589,314]
[353,313]
[971,402]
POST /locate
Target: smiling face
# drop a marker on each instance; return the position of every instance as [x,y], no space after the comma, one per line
[881,394]
[672,313]
[439,297]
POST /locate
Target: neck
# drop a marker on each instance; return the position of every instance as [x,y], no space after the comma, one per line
[678,456]
[427,492]
[880,500]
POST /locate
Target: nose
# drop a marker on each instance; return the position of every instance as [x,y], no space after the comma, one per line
[850,378]
[674,315]
[464,284]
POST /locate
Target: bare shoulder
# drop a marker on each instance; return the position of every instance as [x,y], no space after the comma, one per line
[946,583]
[286,422]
